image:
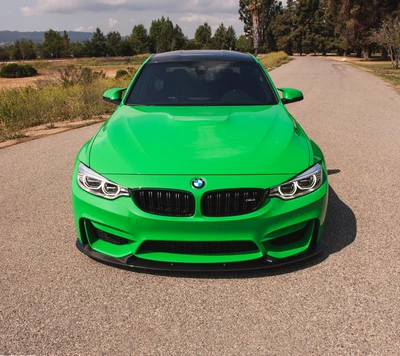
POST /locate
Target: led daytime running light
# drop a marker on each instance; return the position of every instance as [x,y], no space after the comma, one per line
[94,183]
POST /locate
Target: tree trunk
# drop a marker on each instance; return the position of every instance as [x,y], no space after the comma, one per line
[384,56]
[365,53]
[256,32]
[359,52]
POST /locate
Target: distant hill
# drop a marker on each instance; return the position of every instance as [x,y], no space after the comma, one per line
[13,36]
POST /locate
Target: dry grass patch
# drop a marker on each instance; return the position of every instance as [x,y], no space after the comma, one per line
[49,69]
[22,108]
[274,59]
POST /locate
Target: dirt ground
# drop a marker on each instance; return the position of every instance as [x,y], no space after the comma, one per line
[36,132]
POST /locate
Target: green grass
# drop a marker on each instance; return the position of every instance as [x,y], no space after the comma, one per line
[274,59]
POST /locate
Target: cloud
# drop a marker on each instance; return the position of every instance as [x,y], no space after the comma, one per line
[213,20]
[28,11]
[112,22]
[80,29]
[51,6]
[168,6]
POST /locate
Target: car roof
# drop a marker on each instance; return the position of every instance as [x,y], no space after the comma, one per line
[202,55]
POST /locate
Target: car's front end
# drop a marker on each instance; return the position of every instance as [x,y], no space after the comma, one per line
[162,234]
[192,188]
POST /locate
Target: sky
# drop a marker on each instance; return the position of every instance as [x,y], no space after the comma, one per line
[115,15]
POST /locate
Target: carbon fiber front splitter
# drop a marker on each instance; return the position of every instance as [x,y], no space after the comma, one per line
[139,263]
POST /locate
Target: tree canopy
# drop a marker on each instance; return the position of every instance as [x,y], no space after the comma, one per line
[311,26]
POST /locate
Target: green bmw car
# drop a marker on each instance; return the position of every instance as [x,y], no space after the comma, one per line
[201,167]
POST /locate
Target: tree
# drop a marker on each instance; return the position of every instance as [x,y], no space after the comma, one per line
[256,15]
[161,35]
[97,46]
[67,45]
[203,35]
[155,36]
[167,35]
[192,44]
[220,39]
[231,38]
[244,44]
[23,49]
[53,45]
[4,54]
[114,40]
[125,48]
[314,30]
[78,50]
[284,28]
[396,12]
[270,41]
[389,37]
[15,53]
[255,9]
[179,38]
[139,39]
[357,20]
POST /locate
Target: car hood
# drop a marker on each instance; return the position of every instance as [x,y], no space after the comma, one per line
[200,141]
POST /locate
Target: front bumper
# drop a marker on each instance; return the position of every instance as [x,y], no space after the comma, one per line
[134,262]
[282,231]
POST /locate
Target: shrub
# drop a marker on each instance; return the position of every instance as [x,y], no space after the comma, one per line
[15,70]
[71,75]
[121,73]
[131,70]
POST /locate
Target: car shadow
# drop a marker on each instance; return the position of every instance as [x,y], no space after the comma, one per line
[340,232]
[333,171]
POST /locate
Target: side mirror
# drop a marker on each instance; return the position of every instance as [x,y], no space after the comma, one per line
[290,95]
[114,95]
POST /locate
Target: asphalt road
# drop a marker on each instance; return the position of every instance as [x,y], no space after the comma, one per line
[53,300]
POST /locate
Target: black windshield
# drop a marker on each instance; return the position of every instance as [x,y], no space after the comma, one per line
[202,83]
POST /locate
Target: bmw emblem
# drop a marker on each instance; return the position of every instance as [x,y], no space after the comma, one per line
[198,183]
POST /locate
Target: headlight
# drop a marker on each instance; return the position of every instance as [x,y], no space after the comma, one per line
[303,184]
[94,183]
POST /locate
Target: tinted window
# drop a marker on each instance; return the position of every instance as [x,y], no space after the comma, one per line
[202,83]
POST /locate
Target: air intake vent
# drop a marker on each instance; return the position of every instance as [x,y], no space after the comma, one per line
[110,238]
[199,248]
